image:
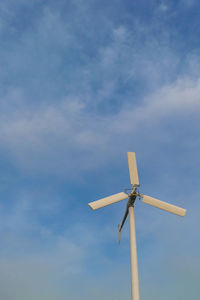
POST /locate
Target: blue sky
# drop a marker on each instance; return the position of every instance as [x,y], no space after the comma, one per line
[81,83]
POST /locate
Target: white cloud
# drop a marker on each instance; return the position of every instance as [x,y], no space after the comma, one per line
[70,108]
[49,136]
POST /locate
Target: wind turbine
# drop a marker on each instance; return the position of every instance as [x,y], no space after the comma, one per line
[135,294]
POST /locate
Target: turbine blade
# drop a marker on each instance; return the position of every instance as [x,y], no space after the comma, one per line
[119,233]
[133,168]
[107,200]
[120,226]
[164,205]
[124,218]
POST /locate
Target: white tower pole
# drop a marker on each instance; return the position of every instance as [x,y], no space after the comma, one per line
[135,293]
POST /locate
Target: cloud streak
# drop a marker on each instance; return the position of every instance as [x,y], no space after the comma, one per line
[82,84]
[53,133]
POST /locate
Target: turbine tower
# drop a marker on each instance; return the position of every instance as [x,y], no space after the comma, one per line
[135,294]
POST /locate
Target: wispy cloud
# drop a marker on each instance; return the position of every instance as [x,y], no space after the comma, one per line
[44,138]
[82,84]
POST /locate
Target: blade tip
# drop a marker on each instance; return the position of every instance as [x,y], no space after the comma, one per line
[91,206]
[119,233]
[184,213]
[130,153]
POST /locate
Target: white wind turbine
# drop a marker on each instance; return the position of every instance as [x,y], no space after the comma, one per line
[130,210]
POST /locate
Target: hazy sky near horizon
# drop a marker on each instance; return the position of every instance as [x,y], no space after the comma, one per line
[81,83]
